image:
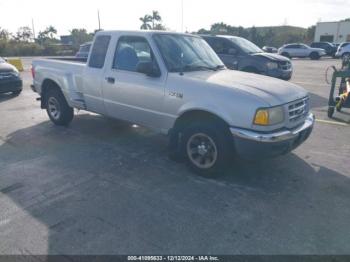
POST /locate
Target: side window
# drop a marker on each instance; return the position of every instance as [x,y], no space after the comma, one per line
[130,51]
[99,51]
[220,46]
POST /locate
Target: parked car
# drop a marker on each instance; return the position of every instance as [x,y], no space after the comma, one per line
[180,88]
[240,54]
[10,79]
[301,50]
[330,48]
[270,49]
[343,50]
[84,50]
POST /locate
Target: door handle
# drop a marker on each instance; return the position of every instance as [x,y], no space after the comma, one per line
[110,80]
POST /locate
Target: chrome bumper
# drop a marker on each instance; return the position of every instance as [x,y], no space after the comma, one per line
[276,136]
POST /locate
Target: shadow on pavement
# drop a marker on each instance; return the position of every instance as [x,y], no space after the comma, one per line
[104,187]
[6,96]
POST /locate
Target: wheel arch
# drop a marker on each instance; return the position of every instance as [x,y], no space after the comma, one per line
[194,114]
[48,84]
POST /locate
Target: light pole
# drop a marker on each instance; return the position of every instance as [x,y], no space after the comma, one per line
[182,16]
[99,21]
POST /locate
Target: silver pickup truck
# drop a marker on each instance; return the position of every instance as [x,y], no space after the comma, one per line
[176,84]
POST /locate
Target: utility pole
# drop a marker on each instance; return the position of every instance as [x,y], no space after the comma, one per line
[33,28]
[182,16]
[99,21]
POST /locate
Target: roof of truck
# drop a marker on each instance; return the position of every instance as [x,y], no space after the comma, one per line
[141,32]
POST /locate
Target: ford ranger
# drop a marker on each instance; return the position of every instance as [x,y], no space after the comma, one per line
[176,84]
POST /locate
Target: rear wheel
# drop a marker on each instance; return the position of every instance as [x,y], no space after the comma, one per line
[57,108]
[314,56]
[207,147]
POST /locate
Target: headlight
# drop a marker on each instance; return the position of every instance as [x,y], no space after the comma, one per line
[15,73]
[272,65]
[269,116]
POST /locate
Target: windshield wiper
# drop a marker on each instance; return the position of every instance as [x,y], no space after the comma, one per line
[203,67]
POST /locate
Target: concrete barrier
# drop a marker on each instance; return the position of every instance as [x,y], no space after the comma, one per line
[16,62]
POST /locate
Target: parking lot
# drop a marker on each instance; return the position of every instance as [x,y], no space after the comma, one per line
[103,186]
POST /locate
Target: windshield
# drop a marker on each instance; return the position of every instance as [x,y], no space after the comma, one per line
[246,45]
[183,53]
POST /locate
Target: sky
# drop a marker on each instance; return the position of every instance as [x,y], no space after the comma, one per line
[124,14]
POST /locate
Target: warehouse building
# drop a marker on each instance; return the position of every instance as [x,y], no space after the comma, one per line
[334,32]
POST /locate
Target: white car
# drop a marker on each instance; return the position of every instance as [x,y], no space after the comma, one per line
[177,85]
[301,50]
[343,50]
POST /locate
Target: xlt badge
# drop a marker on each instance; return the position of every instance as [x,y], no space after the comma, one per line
[177,95]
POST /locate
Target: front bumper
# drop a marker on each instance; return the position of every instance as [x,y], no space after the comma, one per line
[7,86]
[284,74]
[250,144]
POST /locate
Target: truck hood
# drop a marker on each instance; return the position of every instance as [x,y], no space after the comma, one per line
[271,90]
[272,57]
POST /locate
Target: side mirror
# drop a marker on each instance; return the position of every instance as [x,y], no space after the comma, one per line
[232,51]
[148,68]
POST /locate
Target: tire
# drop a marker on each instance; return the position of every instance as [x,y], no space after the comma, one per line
[285,54]
[314,56]
[16,93]
[59,112]
[207,147]
[346,56]
[330,111]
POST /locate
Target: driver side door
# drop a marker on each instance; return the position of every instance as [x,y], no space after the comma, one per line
[128,94]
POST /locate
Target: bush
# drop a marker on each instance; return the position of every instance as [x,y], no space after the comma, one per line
[16,48]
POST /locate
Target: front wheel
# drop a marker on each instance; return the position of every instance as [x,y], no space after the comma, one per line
[346,56]
[207,147]
[16,93]
[314,56]
[58,109]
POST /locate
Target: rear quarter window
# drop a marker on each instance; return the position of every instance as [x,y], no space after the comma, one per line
[99,51]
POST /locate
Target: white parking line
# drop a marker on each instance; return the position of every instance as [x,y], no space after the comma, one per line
[310,83]
[331,122]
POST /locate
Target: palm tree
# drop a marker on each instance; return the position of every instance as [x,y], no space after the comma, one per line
[155,17]
[51,31]
[145,22]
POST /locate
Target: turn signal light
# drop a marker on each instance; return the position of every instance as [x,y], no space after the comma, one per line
[262,117]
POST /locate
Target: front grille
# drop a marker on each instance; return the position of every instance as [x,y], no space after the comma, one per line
[285,65]
[298,110]
[6,75]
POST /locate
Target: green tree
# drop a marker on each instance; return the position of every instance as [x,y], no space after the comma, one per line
[80,36]
[155,19]
[145,22]
[4,34]
[47,36]
[310,34]
[24,34]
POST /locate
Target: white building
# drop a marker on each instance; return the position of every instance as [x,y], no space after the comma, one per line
[334,32]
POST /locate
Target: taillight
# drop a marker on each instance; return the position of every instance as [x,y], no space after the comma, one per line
[33,71]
